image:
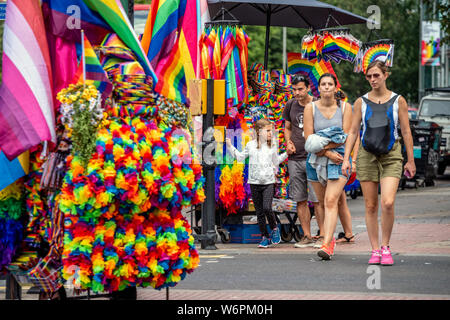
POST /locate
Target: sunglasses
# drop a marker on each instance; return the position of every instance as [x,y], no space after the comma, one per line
[375,76]
[300,78]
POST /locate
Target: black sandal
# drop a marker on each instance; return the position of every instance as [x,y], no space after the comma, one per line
[341,235]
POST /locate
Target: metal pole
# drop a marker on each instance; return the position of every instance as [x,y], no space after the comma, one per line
[128,6]
[13,288]
[131,11]
[266,53]
[208,238]
[421,89]
[284,49]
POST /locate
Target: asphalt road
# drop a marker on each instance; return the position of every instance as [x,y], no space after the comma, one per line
[415,203]
[412,274]
[346,273]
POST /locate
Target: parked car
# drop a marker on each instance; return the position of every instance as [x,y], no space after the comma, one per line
[435,107]
[140,17]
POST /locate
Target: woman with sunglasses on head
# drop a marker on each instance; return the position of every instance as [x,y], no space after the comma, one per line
[380,157]
[326,122]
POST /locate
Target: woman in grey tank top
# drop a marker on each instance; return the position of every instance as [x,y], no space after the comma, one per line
[319,115]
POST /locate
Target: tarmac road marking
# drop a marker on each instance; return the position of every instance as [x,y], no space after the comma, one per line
[220,256]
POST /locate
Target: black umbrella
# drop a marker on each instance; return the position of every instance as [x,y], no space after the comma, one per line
[308,14]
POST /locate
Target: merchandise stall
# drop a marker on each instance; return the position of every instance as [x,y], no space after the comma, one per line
[100,210]
[253,92]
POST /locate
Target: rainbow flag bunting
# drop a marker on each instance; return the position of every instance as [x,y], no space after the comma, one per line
[27,114]
[312,69]
[329,45]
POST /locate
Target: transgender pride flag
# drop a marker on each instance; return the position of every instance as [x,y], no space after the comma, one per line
[26,103]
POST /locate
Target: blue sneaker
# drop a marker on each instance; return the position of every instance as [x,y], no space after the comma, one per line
[265,243]
[275,235]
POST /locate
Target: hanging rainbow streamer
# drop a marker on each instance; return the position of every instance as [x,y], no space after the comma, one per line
[224,55]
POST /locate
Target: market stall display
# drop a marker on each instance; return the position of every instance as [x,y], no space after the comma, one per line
[123,222]
[224,55]
[104,203]
[101,206]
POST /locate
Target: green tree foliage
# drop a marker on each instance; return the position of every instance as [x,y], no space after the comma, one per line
[439,10]
[399,21]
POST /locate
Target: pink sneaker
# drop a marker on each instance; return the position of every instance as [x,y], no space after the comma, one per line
[376,257]
[386,257]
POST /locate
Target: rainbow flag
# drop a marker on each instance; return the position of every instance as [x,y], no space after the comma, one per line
[26,102]
[430,53]
[94,71]
[170,41]
[114,14]
[61,17]
[190,34]
[97,18]
[310,68]
[12,170]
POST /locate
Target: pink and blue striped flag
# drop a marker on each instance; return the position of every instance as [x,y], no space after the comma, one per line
[27,114]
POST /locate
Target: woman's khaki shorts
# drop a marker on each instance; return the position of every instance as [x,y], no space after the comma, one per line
[372,168]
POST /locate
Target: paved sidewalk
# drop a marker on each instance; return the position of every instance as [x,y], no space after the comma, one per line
[180,294]
[415,239]
[407,239]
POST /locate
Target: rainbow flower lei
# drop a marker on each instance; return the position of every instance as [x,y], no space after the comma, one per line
[123,221]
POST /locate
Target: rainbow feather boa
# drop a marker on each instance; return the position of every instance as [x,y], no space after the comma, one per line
[11,228]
